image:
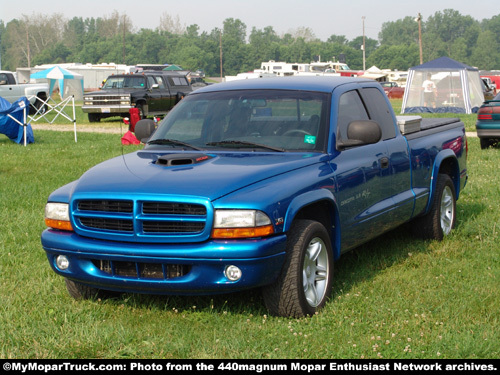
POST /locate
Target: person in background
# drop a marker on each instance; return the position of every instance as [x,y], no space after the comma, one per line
[430,91]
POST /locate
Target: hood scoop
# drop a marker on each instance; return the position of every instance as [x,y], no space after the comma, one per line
[171,160]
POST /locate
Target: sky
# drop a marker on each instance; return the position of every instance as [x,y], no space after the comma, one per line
[323,17]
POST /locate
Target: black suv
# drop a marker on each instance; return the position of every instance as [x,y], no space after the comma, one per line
[152,92]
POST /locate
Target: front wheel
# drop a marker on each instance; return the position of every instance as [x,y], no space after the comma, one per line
[440,220]
[80,291]
[94,117]
[305,282]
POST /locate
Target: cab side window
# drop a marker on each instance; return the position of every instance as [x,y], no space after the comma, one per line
[151,81]
[379,111]
[351,108]
[3,79]
[161,83]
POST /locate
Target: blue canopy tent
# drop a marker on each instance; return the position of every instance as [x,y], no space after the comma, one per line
[456,88]
[70,83]
[13,120]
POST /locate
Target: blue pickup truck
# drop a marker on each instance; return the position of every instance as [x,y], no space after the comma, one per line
[256,183]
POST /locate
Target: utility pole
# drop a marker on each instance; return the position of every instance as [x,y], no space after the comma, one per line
[419,20]
[28,46]
[364,46]
[123,39]
[220,47]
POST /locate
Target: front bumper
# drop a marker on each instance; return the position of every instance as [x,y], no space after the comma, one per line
[176,268]
[106,109]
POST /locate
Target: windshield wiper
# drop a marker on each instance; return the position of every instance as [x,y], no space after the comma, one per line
[245,143]
[172,142]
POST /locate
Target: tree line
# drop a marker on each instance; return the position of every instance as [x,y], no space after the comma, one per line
[52,39]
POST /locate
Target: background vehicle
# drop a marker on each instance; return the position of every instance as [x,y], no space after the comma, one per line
[256,183]
[393,90]
[488,91]
[154,93]
[488,122]
[37,93]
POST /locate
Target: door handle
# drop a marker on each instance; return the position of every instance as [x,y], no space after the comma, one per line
[384,163]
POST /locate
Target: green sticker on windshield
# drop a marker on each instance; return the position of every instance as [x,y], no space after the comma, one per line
[310,139]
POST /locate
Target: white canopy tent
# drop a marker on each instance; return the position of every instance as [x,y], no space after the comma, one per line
[457,88]
[69,83]
[70,88]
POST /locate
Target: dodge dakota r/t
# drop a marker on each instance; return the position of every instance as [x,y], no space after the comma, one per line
[256,183]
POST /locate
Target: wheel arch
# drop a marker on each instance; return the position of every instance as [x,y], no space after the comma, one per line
[446,162]
[318,205]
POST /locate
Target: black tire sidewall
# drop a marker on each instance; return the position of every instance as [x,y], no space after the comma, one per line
[286,297]
[443,181]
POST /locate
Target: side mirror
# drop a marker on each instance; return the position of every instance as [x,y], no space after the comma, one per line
[144,129]
[155,86]
[362,132]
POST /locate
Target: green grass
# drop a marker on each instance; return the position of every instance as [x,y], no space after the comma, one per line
[396,297]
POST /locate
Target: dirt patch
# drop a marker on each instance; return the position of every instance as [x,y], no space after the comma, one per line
[111,129]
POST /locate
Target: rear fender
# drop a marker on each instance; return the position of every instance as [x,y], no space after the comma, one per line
[445,162]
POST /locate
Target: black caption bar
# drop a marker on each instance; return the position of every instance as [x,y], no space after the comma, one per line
[246,366]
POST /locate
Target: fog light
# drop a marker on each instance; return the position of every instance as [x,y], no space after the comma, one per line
[62,262]
[233,273]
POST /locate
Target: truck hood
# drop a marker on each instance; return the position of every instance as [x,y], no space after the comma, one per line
[211,176]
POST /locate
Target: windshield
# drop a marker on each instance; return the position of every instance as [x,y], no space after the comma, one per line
[136,82]
[264,120]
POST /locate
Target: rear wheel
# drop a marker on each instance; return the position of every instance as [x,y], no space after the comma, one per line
[440,220]
[305,282]
[485,143]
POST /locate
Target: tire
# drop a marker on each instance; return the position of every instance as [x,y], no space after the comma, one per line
[140,107]
[80,291]
[179,97]
[440,220]
[485,143]
[305,282]
[94,117]
[39,107]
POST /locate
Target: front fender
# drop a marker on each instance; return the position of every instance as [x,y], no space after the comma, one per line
[309,198]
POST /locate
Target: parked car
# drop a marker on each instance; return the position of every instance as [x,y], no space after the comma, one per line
[393,90]
[488,91]
[11,90]
[490,81]
[488,122]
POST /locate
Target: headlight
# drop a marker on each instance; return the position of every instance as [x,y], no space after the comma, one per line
[241,224]
[57,216]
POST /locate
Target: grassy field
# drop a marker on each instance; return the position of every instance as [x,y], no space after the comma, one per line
[396,297]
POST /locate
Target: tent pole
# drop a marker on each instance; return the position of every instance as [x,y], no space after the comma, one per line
[24,125]
[74,116]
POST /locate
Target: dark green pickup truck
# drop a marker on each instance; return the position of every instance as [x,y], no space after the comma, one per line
[152,92]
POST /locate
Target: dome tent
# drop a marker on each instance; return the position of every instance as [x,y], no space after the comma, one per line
[70,83]
[457,88]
